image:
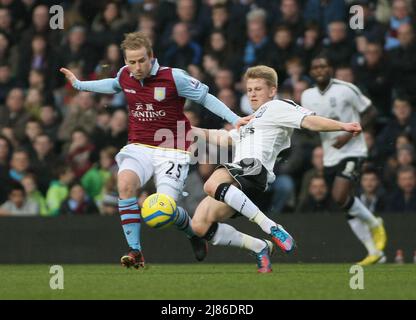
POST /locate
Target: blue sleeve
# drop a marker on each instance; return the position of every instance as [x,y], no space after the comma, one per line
[192,89]
[189,87]
[109,86]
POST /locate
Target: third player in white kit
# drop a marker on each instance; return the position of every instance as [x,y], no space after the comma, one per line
[343,153]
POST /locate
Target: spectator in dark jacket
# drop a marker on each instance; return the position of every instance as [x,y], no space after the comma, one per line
[404,199]
[404,122]
[78,203]
[318,199]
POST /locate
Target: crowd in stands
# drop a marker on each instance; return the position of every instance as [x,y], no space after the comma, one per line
[57,145]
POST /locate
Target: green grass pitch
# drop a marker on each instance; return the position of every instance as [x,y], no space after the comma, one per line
[208,281]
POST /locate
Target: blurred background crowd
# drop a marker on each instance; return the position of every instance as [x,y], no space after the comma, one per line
[57,145]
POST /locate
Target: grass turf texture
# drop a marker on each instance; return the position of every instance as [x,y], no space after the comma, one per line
[208,281]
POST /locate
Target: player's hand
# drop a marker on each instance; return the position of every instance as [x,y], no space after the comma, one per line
[243,121]
[353,127]
[69,75]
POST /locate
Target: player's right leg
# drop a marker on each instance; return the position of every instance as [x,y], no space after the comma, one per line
[366,227]
[220,186]
[131,176]
[206,224]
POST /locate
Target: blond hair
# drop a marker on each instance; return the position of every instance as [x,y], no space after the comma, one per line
[262,72]
[136,40]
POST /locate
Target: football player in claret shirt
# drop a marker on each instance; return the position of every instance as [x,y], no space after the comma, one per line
[235,188]
[157,133]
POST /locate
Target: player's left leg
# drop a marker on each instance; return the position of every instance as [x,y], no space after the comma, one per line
[367,228]
[206,223]
[220,186]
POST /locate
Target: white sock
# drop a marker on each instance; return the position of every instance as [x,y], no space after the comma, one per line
[237,200]
[227,235]
[263,221]
[360,211]
[362,232]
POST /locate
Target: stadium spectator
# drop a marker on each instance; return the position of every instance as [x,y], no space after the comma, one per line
[13,114]
[403,62]
[76,50]
[19,165]
[316,171]
[39,57]
[42,160]
[218,46]
[371,192]
[283,48]
[33,102]
[373,76]
[344,73]
[404,198]
[309,45]
[19,204]
[186,13]
[109,25]
[78,202]
[337,46]
[404,122]
[40,26]
[49,121]
[80,152]
[291,16]
[324,12]
[80,115]
[32,192]
[33,128]
[318,199]
[6,24]
[8,54]
[58,189]
[114,134]
[6,151]
[404,157]
[400,16]
[258,44]
[108,205]
[94,179]
[183,51]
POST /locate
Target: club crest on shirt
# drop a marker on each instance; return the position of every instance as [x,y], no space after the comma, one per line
[160,93]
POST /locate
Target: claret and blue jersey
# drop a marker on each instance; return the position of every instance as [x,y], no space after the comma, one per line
[156,104]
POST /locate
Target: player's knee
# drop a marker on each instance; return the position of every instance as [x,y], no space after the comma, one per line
[199,227]
[340,199]
[126,188]
[209,187]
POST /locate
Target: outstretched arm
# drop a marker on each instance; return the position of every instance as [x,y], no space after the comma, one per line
[317,123]
[221,138]
[192,89]
[109,86]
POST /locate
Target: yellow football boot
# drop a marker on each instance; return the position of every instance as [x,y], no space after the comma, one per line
[372,259]
[379,235]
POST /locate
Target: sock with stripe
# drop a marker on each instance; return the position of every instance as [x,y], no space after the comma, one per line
[237,200]
[130,220]
[184,222]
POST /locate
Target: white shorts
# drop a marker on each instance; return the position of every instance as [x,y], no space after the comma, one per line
[169,167]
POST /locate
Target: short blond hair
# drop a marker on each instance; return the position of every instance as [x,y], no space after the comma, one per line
[136,40]
[262,72]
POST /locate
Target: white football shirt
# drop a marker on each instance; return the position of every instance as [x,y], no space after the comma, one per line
[268,133]
[341,101]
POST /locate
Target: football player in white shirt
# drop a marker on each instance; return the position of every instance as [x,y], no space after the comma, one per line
[344,153]
[233,186]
